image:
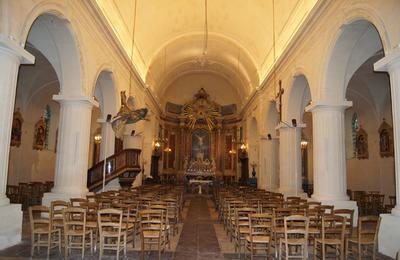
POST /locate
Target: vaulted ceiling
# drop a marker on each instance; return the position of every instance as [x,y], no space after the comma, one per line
[169,37]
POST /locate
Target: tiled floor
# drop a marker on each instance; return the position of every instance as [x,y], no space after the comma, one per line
[200,236]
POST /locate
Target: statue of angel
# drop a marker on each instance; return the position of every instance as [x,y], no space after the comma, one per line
[127,114]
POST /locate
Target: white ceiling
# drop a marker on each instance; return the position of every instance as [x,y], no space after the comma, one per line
[169,37]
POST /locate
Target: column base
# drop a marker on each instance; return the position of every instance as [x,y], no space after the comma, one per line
[340,204]
[389,235]
[291,192]
[48,197]
[10,225]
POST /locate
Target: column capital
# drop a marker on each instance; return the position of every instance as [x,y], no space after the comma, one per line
[283,125]
[329,105]
[84,100]
[265,138]
[389,62]
[11,46]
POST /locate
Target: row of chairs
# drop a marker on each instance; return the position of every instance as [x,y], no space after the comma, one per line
[255,220]
[110,220]
[372,202]
[28,194]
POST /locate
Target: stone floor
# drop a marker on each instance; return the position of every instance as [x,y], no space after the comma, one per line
[200,236]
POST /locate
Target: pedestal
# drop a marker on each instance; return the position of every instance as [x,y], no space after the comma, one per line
[10,225]
[389,235]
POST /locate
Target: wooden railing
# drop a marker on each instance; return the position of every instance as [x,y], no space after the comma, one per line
[125,161]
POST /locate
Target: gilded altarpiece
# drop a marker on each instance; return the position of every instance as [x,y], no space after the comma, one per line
[194,135]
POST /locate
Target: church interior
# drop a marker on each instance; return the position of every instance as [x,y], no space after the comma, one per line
[193,129]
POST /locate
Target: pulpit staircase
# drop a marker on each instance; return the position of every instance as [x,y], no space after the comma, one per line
[123,165]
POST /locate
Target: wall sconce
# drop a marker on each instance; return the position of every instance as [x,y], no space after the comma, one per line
[303,144]
[232,151]
[97,138]
[242,146]
[294,122]
[167,150]
[157,145]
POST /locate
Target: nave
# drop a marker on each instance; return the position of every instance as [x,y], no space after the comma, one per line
[217,226]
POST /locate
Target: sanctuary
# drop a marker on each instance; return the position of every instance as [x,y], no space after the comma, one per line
[186,116]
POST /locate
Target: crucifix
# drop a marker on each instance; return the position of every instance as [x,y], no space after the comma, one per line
[279,96]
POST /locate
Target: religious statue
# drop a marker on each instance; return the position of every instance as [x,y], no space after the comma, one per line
[40,135]
[386,140]
[362,144]
[127,115]
[16,130]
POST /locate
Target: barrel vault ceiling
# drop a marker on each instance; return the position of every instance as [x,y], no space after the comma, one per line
[169,37]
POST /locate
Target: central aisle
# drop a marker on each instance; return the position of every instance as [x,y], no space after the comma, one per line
[198,239]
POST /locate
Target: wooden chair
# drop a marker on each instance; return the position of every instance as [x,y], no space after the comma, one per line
[42,233]
[241,226]
[259,238]
[367,235]
[75,232]
[166,228]
[128,221]
[75,202]
[151,230]
[112,236]
[278,228]
[91,219]
[349,215]
[296,235]
[332,234]
[327,209]
[56,214]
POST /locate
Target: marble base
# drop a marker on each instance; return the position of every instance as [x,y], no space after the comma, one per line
[51,196]
[389,235]
[10,225]
[289,193]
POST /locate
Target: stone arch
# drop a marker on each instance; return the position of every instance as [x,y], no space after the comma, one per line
[356,41]
[48,30]
[298,97]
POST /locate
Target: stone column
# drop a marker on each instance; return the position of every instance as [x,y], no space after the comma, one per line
[70,179]
[329,167]
[11,56]
[329,155]
[290,160]
[268,177]
[389,232]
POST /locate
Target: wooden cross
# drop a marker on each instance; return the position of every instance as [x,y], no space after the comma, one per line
[279,96]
